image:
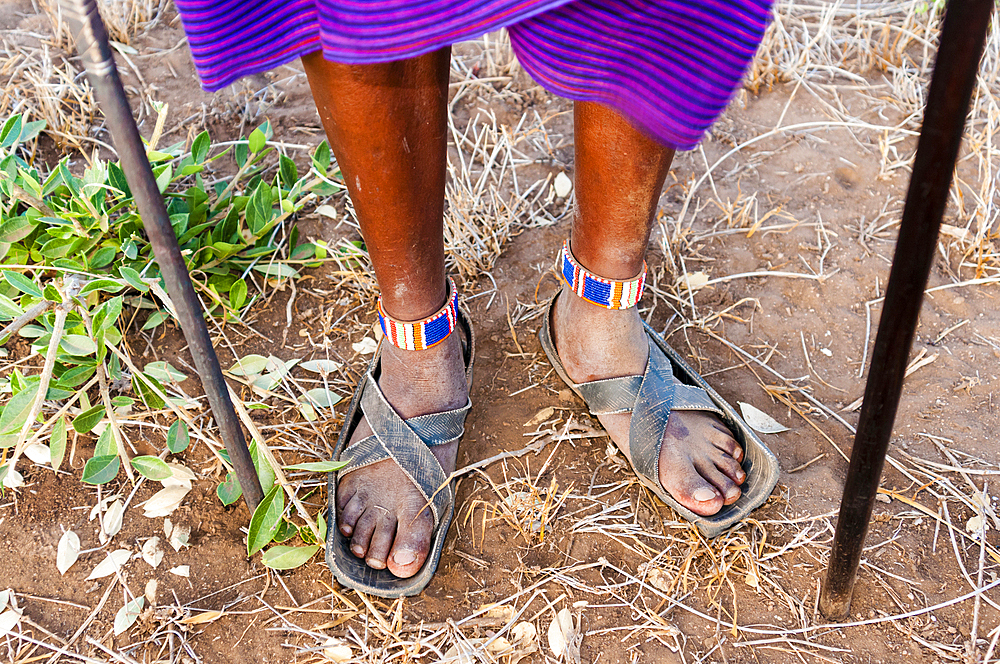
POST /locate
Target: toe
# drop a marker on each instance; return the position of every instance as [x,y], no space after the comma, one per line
[381,542]
[363,531]
[731,468]
[726,487]
[349,513]
[697,494]
[724,441]
[413,540]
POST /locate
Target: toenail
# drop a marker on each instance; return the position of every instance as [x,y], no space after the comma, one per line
[732,493]
[375,564]
[358,550]
[404,557]
[704,495]
[346,530]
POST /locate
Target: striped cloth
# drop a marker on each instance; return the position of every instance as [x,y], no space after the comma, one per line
[670,66]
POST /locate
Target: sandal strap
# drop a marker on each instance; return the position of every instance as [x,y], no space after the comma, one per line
[407,443]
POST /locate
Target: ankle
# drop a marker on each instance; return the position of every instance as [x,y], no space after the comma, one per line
[421,382]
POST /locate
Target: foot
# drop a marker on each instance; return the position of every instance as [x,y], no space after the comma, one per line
[699,462]
[378,507]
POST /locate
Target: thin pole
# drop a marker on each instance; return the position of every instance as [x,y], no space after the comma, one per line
[962,39]
[92,43]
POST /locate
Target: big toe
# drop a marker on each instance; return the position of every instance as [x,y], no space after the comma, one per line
[696,493]
[411,546]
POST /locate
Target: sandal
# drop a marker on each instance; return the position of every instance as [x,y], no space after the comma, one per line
[668,383]
[408,443]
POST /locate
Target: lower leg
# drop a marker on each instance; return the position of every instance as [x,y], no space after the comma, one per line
[619,177]
[387,125]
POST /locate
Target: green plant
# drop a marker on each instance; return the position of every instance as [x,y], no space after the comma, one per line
[78,271]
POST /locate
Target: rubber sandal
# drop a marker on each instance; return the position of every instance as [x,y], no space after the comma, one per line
[669,383]
[407,443]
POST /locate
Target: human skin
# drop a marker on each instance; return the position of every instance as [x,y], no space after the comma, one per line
[387,126]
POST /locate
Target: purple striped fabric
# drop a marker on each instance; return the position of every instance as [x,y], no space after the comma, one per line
[670,66]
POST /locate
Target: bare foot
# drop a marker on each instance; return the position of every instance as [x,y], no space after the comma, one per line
[699,459]
[378,506]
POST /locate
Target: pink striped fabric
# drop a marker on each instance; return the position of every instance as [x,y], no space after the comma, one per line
[670,66]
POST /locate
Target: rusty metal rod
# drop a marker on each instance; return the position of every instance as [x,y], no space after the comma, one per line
[92,43]
[961,44]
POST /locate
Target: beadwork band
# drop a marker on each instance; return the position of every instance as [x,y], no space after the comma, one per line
[422,334]
[607,293]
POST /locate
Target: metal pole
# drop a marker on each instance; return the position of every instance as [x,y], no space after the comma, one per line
[962,38]
[92,43]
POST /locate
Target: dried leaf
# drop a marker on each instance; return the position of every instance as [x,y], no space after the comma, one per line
[694,281]
[128,614]
[202,618]
[13,479]
[165,501]
[541,416]
[152,553]
[8,620]
[39,454]
[179,476]
[68,551]
[111,564]
[321,366]
[366,346]
[760,421]
[565,637]
[179,536]
[113,518]
[150,592]
[337,650]
[563,185]
[181,570]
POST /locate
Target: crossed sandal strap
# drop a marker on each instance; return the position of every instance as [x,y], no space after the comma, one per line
[651,397]
[407,443]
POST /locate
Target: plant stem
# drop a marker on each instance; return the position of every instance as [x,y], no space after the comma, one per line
[31,314]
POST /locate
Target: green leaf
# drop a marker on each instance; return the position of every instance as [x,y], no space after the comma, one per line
[78,344]
[9,308]
[51,293]
[101,469]
[200,146]
[318,466]
[257,140]
[156,319]
[143,386]
[288,171]
[265,474]
[277,270]
[57,442]
[288,557]
[265,520]
[238,294]
[321,397]
[133,279]
[229,491]
[22,283]
[11,132]
[321,158]
[110,312]
[151,467]
[31,130]
[321,524]
[259,210]
[15,413]
[178,438]
[88,419]
[109,285]
[121,401]
[162,180]
[286,531]
[249,365]
[103,257]
[164,372]
[105,445]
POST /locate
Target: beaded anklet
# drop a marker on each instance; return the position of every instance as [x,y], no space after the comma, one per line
[607,293]
[421,334]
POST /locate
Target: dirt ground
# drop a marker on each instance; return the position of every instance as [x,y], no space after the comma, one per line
[818,203]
